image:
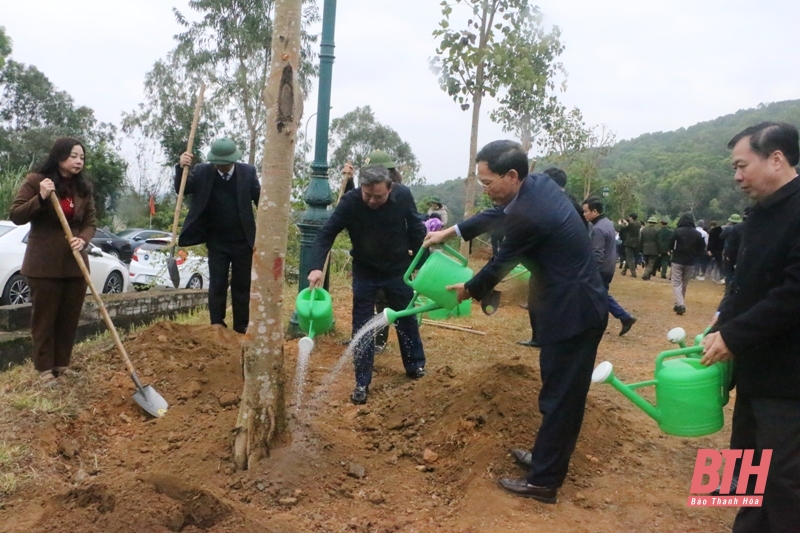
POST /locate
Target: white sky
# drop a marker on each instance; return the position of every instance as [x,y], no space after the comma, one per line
[636,65]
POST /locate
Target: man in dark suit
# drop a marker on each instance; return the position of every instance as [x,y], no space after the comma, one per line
[758,325]
[221,215]
[385,230]
[545,233]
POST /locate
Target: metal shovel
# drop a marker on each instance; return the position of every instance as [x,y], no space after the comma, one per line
[146,396]
[490,303]
[172,263]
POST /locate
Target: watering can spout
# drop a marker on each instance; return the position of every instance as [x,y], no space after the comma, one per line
[604,373]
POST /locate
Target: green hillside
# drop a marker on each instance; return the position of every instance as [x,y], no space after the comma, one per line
[686,170]
[689,169]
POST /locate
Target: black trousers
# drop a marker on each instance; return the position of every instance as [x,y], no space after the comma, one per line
[566,368]
[235,258]
[764,424]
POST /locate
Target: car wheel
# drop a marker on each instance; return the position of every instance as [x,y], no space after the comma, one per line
[114,254]
[195,282]
[16,291]
[113,284]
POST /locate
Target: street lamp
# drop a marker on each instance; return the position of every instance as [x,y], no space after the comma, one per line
[318,194]
[305,134]
[606,190]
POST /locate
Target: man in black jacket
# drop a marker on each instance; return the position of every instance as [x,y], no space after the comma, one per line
[629,233]
[385,231]
[545,233]
[758,323]
[221,215]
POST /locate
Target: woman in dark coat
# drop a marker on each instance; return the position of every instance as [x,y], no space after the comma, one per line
[687,246]
[54,277]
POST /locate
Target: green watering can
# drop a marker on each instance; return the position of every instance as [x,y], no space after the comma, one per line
[689,395]
[314,311]
[439,271]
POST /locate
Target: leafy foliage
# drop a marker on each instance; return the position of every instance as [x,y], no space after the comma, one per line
[33,113]
[527,68]
[357,133]
[166,114]
[689,169]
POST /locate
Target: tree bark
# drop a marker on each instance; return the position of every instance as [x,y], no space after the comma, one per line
[262,413]
[477,98]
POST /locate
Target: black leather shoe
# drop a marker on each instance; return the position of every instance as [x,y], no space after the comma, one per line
[416,374]
[522,458]
[627,325]
[680,309]
[530,344]
[734,484]
[359,396]
[521,487]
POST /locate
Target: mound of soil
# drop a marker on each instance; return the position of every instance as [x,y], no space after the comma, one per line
[422,455]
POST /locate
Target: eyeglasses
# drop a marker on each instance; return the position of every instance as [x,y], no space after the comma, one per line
[486,186]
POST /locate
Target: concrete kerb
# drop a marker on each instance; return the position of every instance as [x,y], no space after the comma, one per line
[126,311]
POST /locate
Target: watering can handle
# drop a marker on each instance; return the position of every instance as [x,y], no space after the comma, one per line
[676,353]
[311,304]
[407,276]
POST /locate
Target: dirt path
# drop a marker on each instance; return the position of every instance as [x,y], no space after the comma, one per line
[420,456]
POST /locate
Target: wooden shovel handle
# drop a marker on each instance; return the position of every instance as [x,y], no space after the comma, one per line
[88,278]
[195,119]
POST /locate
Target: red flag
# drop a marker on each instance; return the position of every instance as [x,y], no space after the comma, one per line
[152,204]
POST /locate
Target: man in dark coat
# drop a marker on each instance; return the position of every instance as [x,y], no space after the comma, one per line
[221,215]
[648,244]
[385,230]
[758,324]
[545,233]
[664,238]
[629,233]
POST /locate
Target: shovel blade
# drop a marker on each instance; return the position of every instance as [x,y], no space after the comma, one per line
[151,401]
[491,302]
[174,275]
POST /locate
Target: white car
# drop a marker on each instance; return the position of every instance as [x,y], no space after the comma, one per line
[108,274]
[148,267]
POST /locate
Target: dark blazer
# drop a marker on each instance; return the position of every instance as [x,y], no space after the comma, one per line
[381,237]
[544,233]
[48,253]
[759,318]
[199,184]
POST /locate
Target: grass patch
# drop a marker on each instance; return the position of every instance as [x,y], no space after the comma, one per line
[8,483]
[11,457]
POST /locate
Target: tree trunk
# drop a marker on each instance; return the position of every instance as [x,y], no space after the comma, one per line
[262,413]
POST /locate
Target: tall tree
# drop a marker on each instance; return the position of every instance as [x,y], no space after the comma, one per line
[528,69]
[357,133]
[262,414]
[165,116]
[34,112]
[578,147]
[5,46]
[466,63]
[231,40]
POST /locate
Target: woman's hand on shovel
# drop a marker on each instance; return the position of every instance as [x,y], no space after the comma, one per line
[186,159]
[77,244]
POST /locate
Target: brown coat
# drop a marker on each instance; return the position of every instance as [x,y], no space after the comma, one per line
[48,254]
